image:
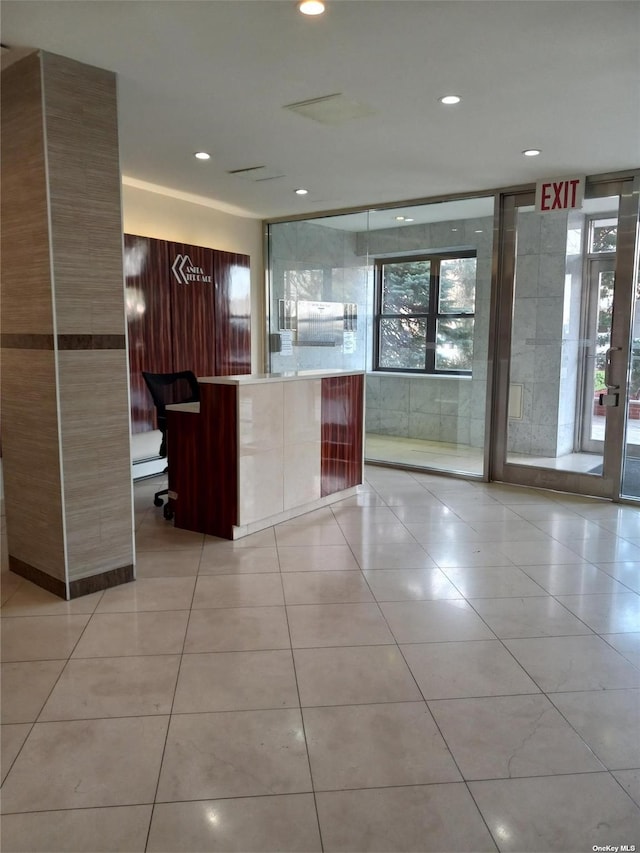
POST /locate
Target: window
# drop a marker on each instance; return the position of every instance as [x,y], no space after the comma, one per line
[603,234]
[425,313]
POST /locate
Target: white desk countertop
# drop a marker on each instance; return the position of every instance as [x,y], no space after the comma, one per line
[259,379]
[263,378]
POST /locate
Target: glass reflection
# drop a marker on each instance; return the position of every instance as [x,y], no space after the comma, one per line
[413,416]
[561,332]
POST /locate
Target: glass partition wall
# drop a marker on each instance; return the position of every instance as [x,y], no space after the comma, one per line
[561,335]
[566,384]
[404,294]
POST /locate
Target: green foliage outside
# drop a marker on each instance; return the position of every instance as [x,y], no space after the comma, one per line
[603,338]
[406,293]
[634,378]
[406,287]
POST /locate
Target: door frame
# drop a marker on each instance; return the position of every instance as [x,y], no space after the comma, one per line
[627,187]
[593,267]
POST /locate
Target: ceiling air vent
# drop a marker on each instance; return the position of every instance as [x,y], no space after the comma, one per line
[331,109]
[257,173]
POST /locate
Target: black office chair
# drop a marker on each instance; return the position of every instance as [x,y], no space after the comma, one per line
[166,389]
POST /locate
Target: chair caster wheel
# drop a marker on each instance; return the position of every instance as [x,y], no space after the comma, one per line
[168,512]
[158,501]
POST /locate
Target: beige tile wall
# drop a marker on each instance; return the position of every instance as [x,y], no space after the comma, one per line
[85,427]
[95,454]
[31,461]
[26,283]
[82,140]
[84,186]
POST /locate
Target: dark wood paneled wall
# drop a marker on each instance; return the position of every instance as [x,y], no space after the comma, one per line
[342,411]
[188,308]
[193,309]
[203,465]
[233,313]
[219,463]
[184,435]
[148,306]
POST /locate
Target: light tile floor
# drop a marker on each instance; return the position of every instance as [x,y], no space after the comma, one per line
[462,458]
[433,665]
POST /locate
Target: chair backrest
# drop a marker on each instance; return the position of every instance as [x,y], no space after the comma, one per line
[169,388]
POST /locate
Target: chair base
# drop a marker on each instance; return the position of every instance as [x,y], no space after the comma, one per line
[157,501]
[157,498]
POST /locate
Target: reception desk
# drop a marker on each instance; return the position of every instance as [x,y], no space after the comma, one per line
[260,449]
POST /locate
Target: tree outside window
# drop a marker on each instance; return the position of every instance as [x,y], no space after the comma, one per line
[425,313]
[603,235]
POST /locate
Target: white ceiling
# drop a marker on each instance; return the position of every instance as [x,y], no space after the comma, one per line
[214,75]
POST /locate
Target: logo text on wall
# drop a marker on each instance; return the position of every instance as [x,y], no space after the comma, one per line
[187,273]
[559,194]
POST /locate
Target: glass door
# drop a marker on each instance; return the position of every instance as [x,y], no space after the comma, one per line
[631,463]
[599,303]
[565,303]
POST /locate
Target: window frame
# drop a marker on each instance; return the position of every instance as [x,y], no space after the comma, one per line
[592,223]
[431,316]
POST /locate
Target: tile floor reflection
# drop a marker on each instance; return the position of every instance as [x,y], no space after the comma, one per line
[432,665]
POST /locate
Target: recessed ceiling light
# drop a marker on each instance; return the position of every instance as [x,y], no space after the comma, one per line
[454,229]
[202,155]
[409,219]
[400,218]
[301,191]
[478,231]
[531,152]
[311,7]
[450,99]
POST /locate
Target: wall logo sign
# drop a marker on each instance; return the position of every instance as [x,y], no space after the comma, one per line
[187,273]
[559,194]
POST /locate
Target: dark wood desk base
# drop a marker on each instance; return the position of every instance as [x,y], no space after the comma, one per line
[203,452]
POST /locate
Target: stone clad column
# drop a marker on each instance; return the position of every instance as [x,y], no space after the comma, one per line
[65,397]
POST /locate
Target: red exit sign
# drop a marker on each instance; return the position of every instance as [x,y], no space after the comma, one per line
[559,194]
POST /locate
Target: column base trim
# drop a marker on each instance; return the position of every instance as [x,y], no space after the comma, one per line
[104,580]
[77,588]
[38,577]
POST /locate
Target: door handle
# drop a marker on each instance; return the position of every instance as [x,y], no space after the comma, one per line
[607,368]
